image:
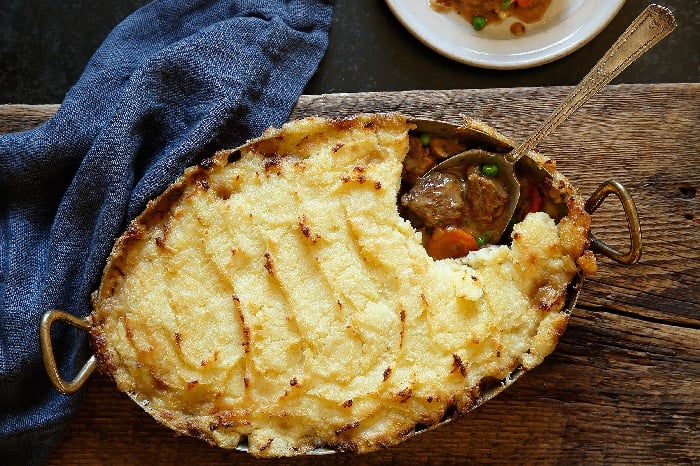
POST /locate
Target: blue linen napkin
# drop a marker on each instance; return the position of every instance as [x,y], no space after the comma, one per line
[172,83]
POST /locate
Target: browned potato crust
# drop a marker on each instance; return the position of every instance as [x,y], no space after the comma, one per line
[274,294]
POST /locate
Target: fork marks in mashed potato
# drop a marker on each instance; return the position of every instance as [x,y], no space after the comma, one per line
[329,322]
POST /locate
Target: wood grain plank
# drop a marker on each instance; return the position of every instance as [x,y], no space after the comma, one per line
[20,117]
[622,386]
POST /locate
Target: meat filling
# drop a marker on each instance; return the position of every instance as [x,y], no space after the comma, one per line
[424,152]
[441,199]
[456,211]
[486,197]
[437,199]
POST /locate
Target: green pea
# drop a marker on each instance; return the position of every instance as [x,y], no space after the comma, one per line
[489,169]
[479,22]
[480,241]
[505,4]
[424,139]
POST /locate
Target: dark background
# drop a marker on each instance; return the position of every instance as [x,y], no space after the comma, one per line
[45,44]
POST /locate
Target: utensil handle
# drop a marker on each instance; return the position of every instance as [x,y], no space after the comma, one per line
[604,190]
[652,25]
[57,380]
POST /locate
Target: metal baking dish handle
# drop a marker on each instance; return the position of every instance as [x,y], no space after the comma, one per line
[63,386]
[608,187]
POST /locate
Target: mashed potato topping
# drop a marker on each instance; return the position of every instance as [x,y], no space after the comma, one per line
[274,294]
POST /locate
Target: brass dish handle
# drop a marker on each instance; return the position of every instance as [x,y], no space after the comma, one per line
[57,380]
[635,252]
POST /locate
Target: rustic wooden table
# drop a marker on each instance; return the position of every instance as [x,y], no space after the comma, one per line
[623,386]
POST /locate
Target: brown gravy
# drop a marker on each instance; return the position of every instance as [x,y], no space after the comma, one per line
[527,11]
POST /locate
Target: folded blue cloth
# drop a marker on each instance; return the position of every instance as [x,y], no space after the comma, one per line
[172,83]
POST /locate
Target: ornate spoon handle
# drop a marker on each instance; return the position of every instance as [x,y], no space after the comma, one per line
[652,25]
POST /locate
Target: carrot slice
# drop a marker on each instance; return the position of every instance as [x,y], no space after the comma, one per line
[450,242]
[536,201]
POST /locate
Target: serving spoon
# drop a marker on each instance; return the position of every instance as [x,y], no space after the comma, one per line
[652,25]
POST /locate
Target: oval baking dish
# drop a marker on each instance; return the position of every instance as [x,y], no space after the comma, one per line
[313,332]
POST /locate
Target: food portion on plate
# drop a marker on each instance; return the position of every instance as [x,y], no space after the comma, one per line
[283,298]
[481,13]
[565,26]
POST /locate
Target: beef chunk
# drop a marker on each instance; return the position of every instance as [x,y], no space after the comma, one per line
[436,199]
[486,197]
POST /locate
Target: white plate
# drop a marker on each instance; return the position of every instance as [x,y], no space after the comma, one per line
[566,26]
